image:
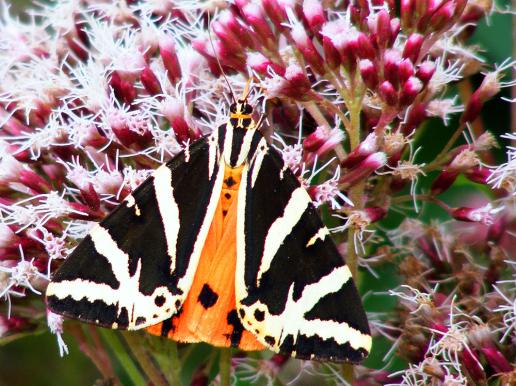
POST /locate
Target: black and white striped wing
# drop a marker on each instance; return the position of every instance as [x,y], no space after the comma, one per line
[293,289]
[136,267]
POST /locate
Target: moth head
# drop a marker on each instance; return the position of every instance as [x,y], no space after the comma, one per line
[241,107]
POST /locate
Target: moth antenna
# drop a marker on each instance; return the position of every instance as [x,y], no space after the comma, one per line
[218,61]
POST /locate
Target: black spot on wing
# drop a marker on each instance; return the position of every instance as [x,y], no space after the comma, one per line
[140,320]
[166,327]
[207,297]
[159,300]
[229,182]
[337,307]
[96,312]
[95,267]
[259,315]
[236,335]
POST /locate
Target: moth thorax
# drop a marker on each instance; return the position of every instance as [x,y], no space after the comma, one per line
[241,114]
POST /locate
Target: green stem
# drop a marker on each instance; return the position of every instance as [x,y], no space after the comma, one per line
[444,152]
[122,356]
[136,344]
[225,367]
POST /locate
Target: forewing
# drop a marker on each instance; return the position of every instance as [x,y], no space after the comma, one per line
[293,289]
[135,268]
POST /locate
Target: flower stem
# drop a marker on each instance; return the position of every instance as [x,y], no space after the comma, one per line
[225,367]
[122,356]
[135,343]
[104,368]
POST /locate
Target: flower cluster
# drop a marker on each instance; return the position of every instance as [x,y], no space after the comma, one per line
[96,94]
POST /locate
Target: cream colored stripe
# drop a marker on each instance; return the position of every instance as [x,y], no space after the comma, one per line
[246,145]
[168,210]
[282,227]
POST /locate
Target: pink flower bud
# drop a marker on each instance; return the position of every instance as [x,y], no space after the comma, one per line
[91,197]
[383,29]
[407,13]
[295,84]
[10,169]
[388,93]
[442,17]
[365,49]
[83,212]
[276,11]
[34,181]
[405,70]
[322,140]
[124,90]
[395,30]
[261,64]
[314,14]
[7,236]
[425,72]
[496,359]
[150,81]
[470,361]
[331,55]
[365,148]
[364,169]
[478,174]
[413,47]
[369,73]
[240,32]
[409,90]
[307,48]
[483,215]
[255,16]
[173,110]
[226,35]
[490,87]
[391,63]
[444,181]
[167,50]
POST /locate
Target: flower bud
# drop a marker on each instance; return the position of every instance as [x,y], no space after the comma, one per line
[323,140]
[405,70]
[331,55]
[413,47]
[90,196]
[383,29]
[124,90]
[388,93]
[34,181]
[365,148]
[478,174]
[307,48]
[444,181]
[167,50]
[409,90]
[150,81]
[483,215]
[369,73]
[255,16]
[277,11]
[425,72]
[365,49]
[391,62]
[442,17]
[314,14]
[407,11]
[173,111]
[490,87]
[261,64]
[364,169]
[496,359]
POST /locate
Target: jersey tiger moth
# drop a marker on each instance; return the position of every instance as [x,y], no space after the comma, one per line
[223,245]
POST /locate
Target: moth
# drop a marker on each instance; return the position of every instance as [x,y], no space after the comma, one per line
[221,244]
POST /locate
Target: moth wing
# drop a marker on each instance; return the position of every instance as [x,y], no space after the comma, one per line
[293,288]
[135,268]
